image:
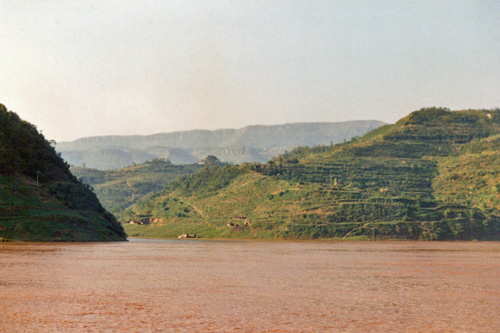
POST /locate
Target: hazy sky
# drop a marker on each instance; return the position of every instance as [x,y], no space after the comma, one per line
[79,68]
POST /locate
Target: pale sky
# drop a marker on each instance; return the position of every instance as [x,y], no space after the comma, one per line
[79,68]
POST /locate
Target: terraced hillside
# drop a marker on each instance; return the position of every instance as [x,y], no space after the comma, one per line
[432,175]
[473,177]
[40,200]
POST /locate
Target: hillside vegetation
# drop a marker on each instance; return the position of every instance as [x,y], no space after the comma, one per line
[248,144]
[119,189]
[40,200]
[432,175]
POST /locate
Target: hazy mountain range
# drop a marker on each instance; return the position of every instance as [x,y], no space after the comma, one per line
[249,144]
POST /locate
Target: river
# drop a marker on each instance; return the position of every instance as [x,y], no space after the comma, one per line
[248,286]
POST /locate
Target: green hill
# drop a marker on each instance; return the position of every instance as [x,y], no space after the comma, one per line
[40,200]
[119,189]
[432,175]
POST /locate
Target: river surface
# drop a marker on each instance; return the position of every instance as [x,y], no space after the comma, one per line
[249,286]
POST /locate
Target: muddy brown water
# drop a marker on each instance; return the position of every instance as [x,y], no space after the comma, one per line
[249,286]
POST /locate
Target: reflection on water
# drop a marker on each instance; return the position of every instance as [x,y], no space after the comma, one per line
[158,285]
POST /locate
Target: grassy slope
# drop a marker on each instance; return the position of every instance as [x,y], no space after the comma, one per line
[394,182]
[208,215]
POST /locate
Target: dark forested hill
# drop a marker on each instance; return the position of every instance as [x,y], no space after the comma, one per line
[40,199]
[249,144]
[435,174]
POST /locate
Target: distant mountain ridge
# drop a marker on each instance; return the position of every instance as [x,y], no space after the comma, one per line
[257,143]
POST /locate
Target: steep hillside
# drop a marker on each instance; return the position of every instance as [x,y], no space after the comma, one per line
[249,144]
[406,180]
[40,200]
